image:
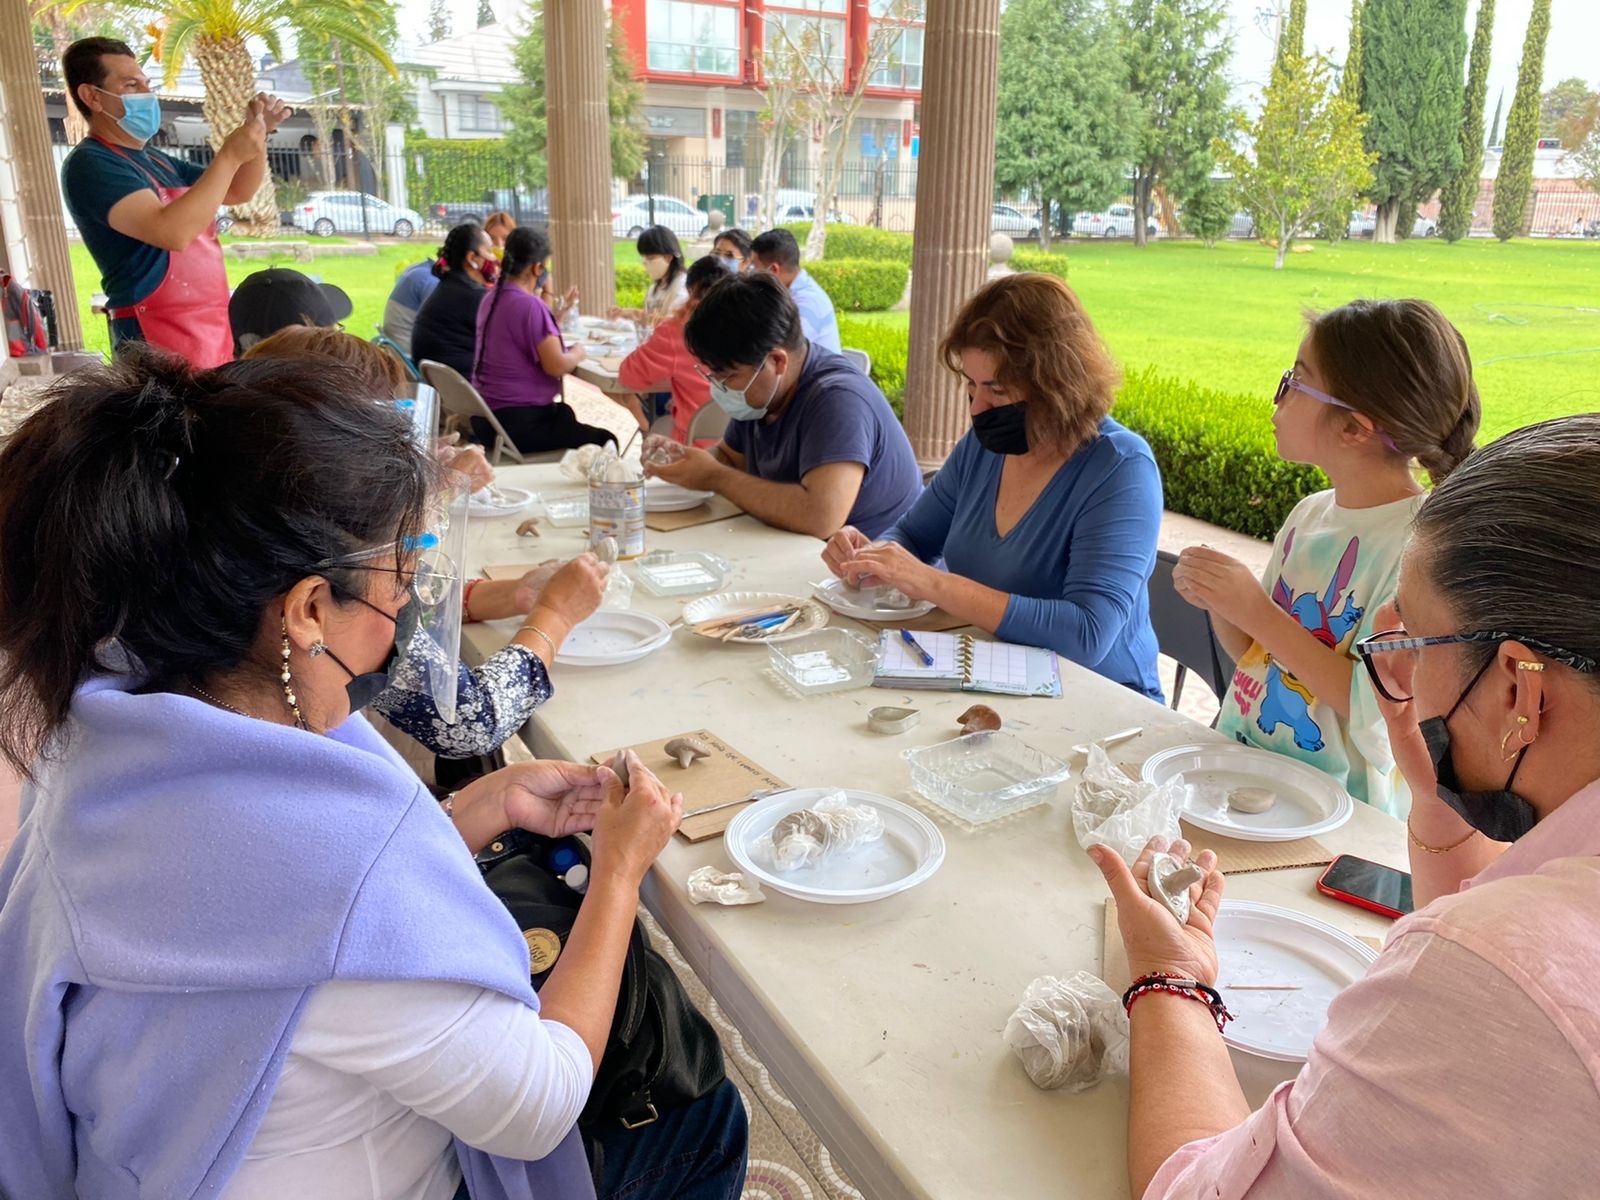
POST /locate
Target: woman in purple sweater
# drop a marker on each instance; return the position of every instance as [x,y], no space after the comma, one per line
[521,356]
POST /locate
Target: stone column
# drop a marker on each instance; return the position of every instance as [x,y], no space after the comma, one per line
[579,150]
[955,191]
[44,230]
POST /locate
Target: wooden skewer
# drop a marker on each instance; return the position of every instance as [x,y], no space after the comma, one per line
[1262,987]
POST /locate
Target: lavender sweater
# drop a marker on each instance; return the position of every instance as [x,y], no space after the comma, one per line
[182,878]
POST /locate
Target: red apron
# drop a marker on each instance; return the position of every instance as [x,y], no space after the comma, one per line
[188,312]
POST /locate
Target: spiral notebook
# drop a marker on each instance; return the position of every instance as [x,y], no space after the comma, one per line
[963,663]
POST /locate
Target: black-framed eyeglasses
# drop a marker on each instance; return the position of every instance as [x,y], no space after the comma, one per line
[1390,657]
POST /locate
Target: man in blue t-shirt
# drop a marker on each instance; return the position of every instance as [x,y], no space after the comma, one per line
[812,445]
[416,284]
[143,238]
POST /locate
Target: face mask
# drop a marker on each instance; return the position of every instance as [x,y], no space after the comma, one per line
[141,114]
[1002,430]
[656,267]
[490,270]
[733,402]
[363,689]
[1501,816]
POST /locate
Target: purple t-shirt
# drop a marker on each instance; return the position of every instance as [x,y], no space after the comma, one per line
[837,414]
[508,372]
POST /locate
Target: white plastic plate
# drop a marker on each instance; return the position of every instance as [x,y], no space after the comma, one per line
[1262,944]
[1309,803]
[707,608]
[910,850]
[613,636]
[661,496]
[510,500]
[848,602]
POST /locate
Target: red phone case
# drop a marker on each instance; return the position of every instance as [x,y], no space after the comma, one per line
[1383,910]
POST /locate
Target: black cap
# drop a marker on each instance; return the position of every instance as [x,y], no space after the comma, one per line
[276,298]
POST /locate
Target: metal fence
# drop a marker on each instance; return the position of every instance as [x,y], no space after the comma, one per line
[1554,210]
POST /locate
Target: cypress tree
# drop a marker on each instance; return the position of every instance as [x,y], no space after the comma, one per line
[1499,111]
[1292,43]
[1460,193]
[1350,81]
[1515,180]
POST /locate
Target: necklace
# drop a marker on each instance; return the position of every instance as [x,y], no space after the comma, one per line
[205,695]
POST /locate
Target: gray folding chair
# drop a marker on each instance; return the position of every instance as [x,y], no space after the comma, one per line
[458,398]
[708,422]
[859,359]
[1184,633]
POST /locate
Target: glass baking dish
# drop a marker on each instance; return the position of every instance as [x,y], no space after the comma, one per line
[681,573]
[829,660]
[982,776]
[568,510]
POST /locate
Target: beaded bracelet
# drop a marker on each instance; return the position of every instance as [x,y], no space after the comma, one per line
[1177,985]
[466,600]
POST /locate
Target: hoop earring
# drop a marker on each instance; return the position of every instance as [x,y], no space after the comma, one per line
[1508,755]
[288,682]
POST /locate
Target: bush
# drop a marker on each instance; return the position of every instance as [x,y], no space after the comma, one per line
[1048,261]
[631,282]
[885,344]
[1216,453]
[859,241]
[860,285]
[455,171]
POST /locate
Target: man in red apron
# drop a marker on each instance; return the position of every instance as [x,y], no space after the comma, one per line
[148,218]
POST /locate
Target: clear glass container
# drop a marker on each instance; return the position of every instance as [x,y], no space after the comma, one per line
[982,776]
[681,573]
[829,660]
[567,511]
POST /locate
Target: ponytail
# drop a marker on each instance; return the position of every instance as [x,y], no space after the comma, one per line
[525,249]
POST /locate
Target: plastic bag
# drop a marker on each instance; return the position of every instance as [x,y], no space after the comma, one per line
[575,464]
[707,885]
[1069,1033]
[1110,809]
[807,837]
[661,451]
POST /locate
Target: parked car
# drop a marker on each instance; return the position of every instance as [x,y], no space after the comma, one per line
[632,217]
[529,208]
[794,205]
[328,213]
[1423,227]
[224,220]
[1012,223]
[1116,221]
[1242,226]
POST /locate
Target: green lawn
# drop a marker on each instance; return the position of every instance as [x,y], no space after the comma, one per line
[1225,319]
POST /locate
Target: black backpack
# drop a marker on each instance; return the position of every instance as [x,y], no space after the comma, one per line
[662,1053]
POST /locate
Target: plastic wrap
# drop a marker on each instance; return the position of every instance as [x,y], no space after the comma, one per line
[660,451]
[707,885]
[1112,810]
[575,464]
[1069,1033]
[807,837]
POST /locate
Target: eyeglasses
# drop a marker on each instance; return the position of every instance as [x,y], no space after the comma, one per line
[432,576]
[1391,657]
[721,377]
[1290,384]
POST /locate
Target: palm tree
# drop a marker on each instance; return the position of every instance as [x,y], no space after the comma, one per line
[216,33]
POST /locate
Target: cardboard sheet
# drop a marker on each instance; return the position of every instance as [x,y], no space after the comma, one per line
[1237,857]
[718,508]
[725,775]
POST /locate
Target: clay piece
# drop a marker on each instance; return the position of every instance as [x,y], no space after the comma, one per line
[892,720]
[1170,882]
[619,766]
[606,549]
[529,528]
[980,718]
[686,750]
[1251,799]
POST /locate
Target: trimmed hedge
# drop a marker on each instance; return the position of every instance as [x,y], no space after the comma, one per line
[886,346]
[859,284]
[859,241]
[1047,261]
[454,171]
[631,282]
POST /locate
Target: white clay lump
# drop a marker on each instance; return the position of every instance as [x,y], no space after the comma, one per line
[1251,799]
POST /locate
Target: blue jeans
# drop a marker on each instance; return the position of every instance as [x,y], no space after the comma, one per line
[693,1153]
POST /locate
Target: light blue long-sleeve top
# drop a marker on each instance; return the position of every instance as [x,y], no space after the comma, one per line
[1078,563]
[817,318]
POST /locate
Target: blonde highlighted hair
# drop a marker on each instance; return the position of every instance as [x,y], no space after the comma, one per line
[381,370]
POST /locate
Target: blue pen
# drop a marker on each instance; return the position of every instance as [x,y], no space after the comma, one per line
[905,636]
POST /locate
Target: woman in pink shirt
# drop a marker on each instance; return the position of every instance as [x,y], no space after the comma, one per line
[1467,1062]
[663,362]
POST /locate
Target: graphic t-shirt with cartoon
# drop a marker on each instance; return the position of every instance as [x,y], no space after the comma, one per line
[1331,569]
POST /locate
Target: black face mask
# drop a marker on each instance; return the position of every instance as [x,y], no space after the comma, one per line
[363,689]
[1501,816]
[1002,430]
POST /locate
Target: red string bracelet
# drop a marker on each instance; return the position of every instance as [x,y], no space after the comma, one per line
[1178,985]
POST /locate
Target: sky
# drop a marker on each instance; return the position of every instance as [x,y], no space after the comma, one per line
[1571,50]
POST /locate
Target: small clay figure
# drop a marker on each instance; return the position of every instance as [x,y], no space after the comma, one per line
[980,718]
[1170,882]
[686,750]
[529,528]
[606,550]
[1251,799]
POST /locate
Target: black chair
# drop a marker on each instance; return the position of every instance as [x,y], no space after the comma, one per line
[1184,633]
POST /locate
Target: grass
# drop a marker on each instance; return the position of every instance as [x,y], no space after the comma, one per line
[1224,318]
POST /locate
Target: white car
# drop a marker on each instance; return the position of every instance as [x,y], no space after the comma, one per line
[632,217]
[328,213]
[794,206]
[1116,221]
[1013,223]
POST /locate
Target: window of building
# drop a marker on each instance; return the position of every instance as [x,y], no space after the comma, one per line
[902,67]
[479,113]
[693,37]
[806,28]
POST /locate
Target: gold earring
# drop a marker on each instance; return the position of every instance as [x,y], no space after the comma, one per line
[1508,755]
[288,682]
[1526,665]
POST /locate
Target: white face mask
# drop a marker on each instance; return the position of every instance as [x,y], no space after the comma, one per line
[733,400]
[655,266]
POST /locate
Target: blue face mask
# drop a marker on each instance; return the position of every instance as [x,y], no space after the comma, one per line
[732,401]
[141,114]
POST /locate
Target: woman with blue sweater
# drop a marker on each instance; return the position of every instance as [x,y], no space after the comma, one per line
[1046,514]
[247,955]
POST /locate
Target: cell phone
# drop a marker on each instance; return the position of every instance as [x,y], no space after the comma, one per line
[1367,885]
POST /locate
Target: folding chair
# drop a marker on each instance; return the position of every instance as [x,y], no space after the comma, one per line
[458,398]
[1184,633]
[860,360]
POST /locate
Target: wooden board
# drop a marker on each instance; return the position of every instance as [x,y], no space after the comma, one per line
[718,508]
[726,775]
[1236,857]
[511,572]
